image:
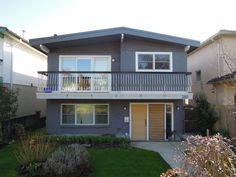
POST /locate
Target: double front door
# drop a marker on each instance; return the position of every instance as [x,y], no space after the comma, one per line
[148,122]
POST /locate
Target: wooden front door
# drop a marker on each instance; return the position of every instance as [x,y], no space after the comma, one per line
[156,122]
[139,122]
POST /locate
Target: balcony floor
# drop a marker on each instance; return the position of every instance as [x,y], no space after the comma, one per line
[116,95]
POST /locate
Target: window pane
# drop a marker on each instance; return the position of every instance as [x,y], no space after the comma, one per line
[84,65]
[68,114]
[101,119]
[84,114]
[101,114]
[68,109]
[145,61]
[68,119]
[198,75]
[101,64]
[162,61]
[169,108]
[168,126]
[68,64]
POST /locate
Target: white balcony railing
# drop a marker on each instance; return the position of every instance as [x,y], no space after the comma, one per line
[113,81]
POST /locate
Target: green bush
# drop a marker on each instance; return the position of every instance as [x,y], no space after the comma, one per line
[205,112]
[68,161]
[94,141]
[224,133]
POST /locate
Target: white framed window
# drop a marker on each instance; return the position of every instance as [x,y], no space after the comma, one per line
[82,82]
[154,61]
[84,114]
[198,75]
[85,63]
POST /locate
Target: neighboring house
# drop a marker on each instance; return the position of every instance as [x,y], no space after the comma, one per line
[19,63]
[213,67]
[119,81]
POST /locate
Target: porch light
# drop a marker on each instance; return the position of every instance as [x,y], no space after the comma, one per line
[177,108]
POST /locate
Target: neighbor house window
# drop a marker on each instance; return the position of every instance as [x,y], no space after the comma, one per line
[198,75]
[154,61]
[85,114]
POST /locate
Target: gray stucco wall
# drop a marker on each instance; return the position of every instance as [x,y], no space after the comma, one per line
[130,46]
[124,54]
[116,123]
[112,49]
[116,117]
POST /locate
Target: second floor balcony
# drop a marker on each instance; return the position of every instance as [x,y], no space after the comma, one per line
[114,83]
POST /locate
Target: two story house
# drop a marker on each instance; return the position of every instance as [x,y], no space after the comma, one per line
[120,81]
[19,63]
[213,66]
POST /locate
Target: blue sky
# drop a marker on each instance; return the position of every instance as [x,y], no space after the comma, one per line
[185,18]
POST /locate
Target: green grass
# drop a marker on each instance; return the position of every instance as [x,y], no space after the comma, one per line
[126,163]
[114,162]
[8,161]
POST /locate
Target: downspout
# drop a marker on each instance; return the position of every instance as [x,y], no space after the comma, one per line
[122,37]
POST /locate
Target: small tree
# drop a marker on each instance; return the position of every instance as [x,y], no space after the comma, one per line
[8,105]
[205,112]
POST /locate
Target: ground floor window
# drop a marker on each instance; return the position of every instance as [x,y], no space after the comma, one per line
[84,114]
[169,114]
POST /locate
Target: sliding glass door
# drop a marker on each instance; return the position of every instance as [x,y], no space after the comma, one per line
[81,76]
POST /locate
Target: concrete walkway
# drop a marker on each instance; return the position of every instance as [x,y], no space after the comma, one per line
[172,152]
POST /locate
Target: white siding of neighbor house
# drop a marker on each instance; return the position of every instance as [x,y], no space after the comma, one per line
[26,63]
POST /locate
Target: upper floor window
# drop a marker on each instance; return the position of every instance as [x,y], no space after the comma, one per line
[154,61]
[85,63]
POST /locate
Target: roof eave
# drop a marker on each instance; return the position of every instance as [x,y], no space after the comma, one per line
[114,31]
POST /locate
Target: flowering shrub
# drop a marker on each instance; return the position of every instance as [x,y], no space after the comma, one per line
[206,157]
[68,161]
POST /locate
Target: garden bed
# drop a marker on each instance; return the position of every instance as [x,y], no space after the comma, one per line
[105,162]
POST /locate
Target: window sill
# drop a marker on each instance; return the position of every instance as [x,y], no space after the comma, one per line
[84,126]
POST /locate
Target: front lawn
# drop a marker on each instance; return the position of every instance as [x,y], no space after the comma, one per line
[110,162]
[8,161]
[126,163]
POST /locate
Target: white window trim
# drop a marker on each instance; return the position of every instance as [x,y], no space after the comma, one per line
[94,116]
[153,70]
[90,57]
